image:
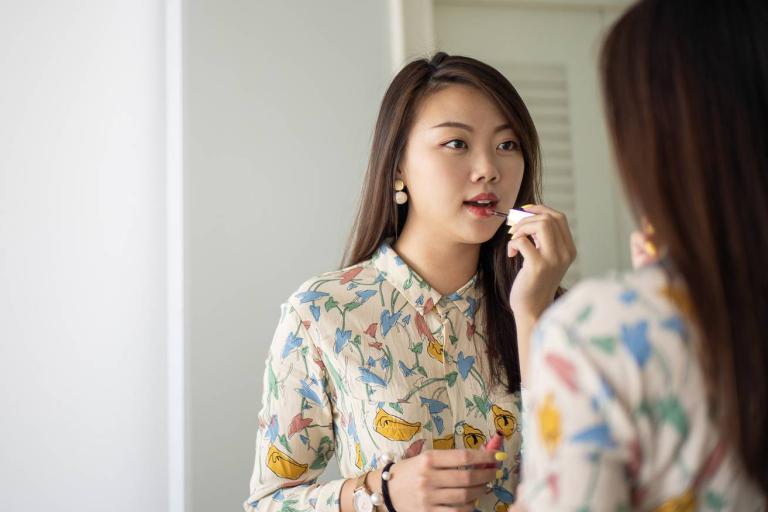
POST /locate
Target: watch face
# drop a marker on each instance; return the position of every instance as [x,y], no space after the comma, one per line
[362,501]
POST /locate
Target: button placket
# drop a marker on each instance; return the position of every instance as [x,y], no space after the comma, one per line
[452,392]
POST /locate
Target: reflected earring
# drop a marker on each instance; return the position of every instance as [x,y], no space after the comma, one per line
[400,196]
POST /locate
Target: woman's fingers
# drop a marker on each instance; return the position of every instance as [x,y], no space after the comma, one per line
[452,459]
[463,477]
[643,250]
[454,489]
[457,496]
[559,220]
[524,246]
[546,235]
[562,223]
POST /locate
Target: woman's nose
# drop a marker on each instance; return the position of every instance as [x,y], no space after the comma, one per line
[484,169]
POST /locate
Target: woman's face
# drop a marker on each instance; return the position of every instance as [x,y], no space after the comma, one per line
[461,161]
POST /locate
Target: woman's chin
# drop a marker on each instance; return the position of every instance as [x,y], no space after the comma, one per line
[477,236]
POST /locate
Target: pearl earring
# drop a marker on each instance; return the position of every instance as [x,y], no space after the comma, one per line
[400,196]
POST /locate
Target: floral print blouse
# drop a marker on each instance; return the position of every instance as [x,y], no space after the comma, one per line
[617,416]
[370,360]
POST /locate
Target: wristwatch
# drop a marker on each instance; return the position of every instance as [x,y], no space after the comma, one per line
[361,499]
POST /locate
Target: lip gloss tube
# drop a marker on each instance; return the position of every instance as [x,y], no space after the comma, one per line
[515,216]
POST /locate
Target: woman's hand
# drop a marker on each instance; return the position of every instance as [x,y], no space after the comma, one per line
[441,480]
[642,246]
[545,261]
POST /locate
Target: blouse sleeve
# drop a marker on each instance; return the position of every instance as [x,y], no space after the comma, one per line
[295,439]
[579,437]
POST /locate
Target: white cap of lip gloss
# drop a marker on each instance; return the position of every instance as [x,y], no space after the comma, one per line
[516,216]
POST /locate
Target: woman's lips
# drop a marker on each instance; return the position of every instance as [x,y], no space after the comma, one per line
[480,211]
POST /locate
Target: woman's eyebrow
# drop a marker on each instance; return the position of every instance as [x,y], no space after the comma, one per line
[463,126]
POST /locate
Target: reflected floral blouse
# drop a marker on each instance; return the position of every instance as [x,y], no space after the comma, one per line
[616,412]
[368,360]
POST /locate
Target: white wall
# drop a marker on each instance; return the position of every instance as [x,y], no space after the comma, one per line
[280,101]
[82,270]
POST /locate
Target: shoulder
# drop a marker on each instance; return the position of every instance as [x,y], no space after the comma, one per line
[618,326]
[605,304]
[329,289]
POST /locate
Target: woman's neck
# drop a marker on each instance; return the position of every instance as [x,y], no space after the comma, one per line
[446,266]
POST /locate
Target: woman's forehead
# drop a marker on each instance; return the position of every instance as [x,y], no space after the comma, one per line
[459,104]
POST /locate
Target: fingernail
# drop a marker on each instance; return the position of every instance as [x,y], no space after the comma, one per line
[500,456]
[511,230]
[650,248]
[526,206]
[477,502]
[499,473]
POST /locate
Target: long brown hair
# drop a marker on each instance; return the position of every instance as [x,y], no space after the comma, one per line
[686,95]
[380,218]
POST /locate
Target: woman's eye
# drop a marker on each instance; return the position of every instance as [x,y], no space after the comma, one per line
[509,145]
[456,144]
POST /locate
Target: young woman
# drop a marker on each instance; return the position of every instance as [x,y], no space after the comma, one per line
[409,353]
[650,391]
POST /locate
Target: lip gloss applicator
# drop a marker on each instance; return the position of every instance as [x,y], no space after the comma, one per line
[514,216]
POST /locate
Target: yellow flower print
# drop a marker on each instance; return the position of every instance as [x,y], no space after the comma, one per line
[435,349]
[678,296]
[473,438]
[394,428]
[359,458]
[686,502]
[549,424]
[444,443]
[504,421]
[282,465]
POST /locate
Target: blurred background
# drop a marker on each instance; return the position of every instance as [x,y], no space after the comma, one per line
[170,171]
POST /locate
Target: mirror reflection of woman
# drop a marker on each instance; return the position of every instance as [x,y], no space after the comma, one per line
[649,390]
[410,352]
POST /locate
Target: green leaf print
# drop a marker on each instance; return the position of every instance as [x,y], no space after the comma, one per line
[482,404]
[605,343]
[319,462]
[408,283]
[356,340]
[454,339]
[715,501]
[396,406]
[337,378]
[670,411]
[330,304]
[428,426]
[284,442]
[451,378]
[417,348]
[349,306]
[273,384]
[325,442]
[644,409]
[584,315]
[288,506]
